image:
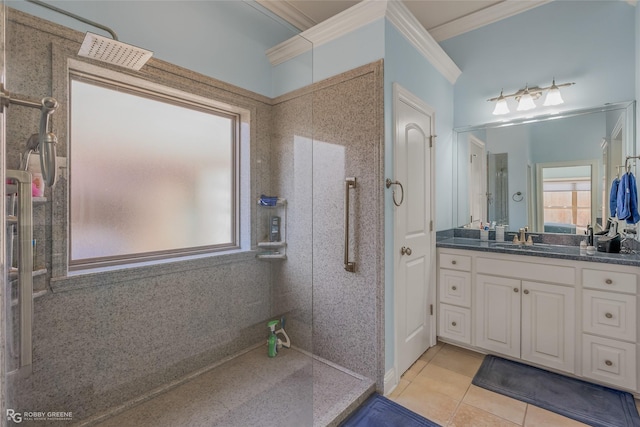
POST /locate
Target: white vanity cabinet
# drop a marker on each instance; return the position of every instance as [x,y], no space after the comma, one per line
[570,316]
[609,327]
[530,320]
[454,296]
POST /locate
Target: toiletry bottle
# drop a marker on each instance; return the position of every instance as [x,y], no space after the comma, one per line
[272,341]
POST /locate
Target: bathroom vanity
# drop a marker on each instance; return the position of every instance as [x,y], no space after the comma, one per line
[547,306]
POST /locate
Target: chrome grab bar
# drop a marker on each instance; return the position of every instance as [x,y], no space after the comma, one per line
[349,183]
[25,266]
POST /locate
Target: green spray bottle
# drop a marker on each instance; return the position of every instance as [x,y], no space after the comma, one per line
[272,341]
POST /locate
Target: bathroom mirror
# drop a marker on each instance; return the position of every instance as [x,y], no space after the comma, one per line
[550,173]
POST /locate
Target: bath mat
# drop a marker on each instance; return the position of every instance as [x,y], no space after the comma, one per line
[378,411]
[582,401]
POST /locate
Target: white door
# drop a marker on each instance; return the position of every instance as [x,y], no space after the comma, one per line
[548,325]
[497,314]
[477,180]
[414,265]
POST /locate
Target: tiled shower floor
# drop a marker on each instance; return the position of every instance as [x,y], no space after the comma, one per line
[292,389]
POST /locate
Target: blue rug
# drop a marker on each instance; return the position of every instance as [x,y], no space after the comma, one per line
[378,411]
[582,401]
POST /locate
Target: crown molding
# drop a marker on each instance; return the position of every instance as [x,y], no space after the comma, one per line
[286,11]
[483,17]
[409,26]
[363,13]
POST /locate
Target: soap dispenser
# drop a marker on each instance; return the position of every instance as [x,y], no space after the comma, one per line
[272,341]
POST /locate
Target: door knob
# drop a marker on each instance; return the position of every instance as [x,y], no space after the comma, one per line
[405,251]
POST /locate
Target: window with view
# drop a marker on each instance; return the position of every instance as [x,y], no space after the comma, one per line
[151,175]
[567,198]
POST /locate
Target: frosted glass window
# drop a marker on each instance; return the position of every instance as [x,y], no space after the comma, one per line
[149,176]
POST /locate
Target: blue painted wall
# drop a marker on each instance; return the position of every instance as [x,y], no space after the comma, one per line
[225,40]
[591,43]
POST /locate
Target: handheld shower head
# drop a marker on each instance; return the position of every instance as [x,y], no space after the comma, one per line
[47,142]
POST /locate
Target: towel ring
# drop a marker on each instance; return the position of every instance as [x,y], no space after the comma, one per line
[389,183]
[517,196]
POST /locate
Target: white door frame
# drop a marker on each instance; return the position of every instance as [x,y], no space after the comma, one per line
[400,94]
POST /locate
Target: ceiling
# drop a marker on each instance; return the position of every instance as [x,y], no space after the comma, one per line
[442,18]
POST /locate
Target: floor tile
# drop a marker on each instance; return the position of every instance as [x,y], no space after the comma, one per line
[431,352]
[414,370]
[469,416]
[461,361]
[430,404]
[538,417]
[497,404]
[443,381]
[402,384]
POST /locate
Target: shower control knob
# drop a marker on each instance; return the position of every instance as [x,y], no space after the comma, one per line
[405,251]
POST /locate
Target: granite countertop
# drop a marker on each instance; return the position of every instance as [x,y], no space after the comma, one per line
[538,249]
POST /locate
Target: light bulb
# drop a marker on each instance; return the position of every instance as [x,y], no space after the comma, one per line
[553,96]
[501,106]
[526,101]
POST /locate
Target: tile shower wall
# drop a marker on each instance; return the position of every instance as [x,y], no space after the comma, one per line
[101,339]
[346,311]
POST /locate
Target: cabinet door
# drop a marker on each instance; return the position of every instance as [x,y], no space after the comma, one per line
[548,325]
[497,314]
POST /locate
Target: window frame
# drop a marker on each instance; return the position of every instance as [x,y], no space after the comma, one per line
[87,73]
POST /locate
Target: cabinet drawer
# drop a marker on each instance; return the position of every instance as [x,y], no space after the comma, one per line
[455,323]
[609,360]
[527,270]
[454,287]
[609,314]
[609,280]
[455,262]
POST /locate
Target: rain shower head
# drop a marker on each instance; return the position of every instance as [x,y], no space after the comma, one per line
[114,52]
[104,49]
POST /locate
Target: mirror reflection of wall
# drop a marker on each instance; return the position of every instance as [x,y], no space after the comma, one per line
[571,137]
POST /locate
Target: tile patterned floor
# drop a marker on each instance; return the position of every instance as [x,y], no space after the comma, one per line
[438,387]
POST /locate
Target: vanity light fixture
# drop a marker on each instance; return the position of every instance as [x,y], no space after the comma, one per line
[527,96]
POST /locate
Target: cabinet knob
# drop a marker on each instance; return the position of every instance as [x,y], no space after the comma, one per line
[454,262]
[608,362]
[526,291]
[608,315]
[453,288]
[453,323]
[608,281]
[515,290]
[405,251]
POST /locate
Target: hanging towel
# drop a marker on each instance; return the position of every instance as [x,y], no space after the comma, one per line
[613,196]
[627,199]
[634,216]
